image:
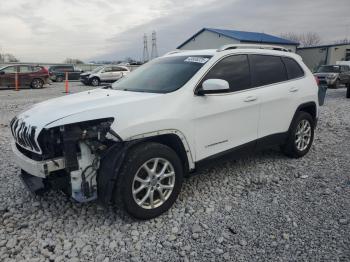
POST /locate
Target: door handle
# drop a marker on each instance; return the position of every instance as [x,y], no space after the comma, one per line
[250,99]
[293,89]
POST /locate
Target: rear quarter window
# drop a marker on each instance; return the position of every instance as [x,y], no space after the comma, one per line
[293,68]
[267,69]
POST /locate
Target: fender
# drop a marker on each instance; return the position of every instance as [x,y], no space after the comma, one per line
[170,131]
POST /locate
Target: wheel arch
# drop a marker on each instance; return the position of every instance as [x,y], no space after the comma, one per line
[308,107]
[173,139]
[114,158]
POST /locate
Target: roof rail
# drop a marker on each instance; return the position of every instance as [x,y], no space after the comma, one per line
[252,46]
[174,52]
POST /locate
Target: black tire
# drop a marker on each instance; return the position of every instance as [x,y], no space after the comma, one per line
[59,79]
[135,159]
[37,83]
[290,148]
[348,92]
[95,81]
[336,84]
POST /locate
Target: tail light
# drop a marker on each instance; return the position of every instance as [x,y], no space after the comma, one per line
[317,80]
[44,70]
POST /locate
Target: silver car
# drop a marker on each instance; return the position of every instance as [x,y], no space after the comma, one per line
[106,74]
[334,75]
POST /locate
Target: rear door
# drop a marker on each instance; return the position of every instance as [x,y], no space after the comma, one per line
[279,90]
[117,72]
[24,75]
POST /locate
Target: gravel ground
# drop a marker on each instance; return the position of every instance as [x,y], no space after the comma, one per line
[261,208]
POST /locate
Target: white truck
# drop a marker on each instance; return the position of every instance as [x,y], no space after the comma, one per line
[133,143]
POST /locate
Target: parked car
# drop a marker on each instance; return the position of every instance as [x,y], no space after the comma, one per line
[58,73]
[28,76]
[106,74]
[134,142]
[334,75]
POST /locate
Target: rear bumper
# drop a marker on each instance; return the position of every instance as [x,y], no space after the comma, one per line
[37,168]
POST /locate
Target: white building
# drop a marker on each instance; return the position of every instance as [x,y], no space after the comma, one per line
[209,38]
[315,56]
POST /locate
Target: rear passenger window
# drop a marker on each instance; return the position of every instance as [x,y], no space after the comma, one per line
[234,69]
[267,70]
[293,68]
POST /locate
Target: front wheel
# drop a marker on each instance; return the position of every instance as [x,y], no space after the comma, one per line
[150,180]
[348,92]
[300,137]
[336,84]
[37,83]
[95,81]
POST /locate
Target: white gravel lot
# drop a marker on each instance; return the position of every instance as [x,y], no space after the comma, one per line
[265,207]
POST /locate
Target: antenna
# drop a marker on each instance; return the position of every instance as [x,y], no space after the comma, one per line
[145,49]
[154,52]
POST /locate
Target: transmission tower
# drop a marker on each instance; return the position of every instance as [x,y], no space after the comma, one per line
[154,52]
[145,49]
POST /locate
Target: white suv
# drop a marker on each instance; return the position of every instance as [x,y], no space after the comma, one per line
[133,143]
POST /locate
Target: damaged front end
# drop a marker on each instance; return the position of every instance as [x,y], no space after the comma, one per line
[73,155]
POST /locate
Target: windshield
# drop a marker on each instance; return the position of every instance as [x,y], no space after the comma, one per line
[329,69]
[162,75]
[97,69]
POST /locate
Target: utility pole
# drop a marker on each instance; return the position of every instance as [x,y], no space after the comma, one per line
[145,49]
[154,52]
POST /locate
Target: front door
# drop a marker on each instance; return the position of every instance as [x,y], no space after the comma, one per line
[106,74]
[8,77]
[225,121]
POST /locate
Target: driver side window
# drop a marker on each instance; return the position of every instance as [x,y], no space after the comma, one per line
[234,69]
[9,70]
[107,69]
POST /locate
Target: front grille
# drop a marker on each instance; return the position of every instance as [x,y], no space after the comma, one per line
[30,154]
[24,134]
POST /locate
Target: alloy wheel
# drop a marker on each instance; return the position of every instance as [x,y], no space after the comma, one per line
[153,183]
[37,83]
[94,82]
[303,135]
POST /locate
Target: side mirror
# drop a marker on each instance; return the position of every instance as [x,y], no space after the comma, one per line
[212,86]
[2,72]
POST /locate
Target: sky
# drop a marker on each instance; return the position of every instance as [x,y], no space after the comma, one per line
[52,30]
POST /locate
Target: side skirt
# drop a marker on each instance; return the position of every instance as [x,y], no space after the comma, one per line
[242,150]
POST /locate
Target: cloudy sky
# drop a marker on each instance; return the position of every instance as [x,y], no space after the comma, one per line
[51,30]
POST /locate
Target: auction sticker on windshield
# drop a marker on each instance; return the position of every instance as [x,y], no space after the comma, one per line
[195,59]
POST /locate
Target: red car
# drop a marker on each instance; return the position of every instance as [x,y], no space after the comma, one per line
[28,76]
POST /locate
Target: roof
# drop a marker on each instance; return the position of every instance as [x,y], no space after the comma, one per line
[245,36]
[323,46]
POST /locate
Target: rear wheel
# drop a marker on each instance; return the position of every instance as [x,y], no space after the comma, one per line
[95,81]
[37,83]
[150,180]
[300,136]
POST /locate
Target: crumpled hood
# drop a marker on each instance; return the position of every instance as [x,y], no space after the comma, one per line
[85,74]
[90,105]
